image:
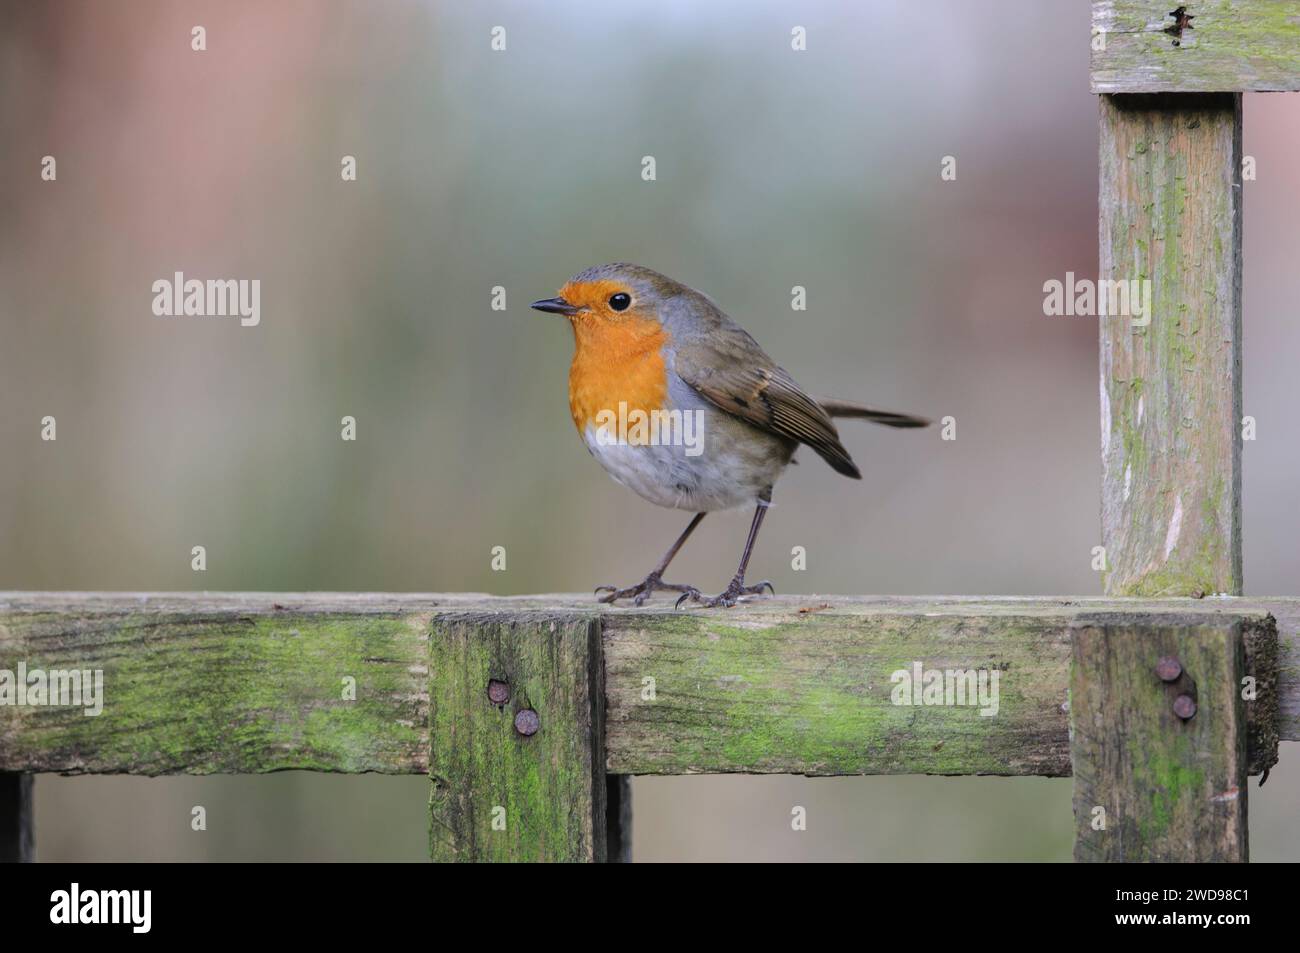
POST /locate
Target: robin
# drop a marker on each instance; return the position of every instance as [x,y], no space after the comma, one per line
[680,404]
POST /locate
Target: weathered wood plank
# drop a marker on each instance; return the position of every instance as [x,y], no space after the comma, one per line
[516,760]
[1159,756]
[1170,206]
[219,685]
[775,691]
[1287,614]
[1228,46]
[17,818]
[202,682]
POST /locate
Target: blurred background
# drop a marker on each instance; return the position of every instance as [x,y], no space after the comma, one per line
[519,168]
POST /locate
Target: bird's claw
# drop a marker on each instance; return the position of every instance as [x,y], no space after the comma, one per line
[643,590]
[729,596]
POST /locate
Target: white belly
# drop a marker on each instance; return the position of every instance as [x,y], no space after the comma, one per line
[734,464]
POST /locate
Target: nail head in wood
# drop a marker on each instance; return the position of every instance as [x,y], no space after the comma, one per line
[498,692]
[527,722]
[1184,707]
[1168,668]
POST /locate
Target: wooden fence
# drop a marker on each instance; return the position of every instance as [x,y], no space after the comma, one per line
[529,714]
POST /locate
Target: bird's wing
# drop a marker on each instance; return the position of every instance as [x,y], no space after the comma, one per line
[729,369]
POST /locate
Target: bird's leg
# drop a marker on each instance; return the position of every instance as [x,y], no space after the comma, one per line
[642,590]
[731,595]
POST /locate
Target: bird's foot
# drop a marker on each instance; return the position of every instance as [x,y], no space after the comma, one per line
[643,590]
[729,596]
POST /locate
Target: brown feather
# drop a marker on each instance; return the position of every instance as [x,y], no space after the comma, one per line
[748,385]
[846,408]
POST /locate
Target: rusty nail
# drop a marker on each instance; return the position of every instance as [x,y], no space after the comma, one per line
[527,722]
[498,692]
[1184,707]
[1168,668]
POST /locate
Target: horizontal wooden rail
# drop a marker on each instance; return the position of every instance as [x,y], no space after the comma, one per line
[208,683]
[1140,46]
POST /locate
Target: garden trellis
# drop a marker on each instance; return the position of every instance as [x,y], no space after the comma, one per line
[529,714]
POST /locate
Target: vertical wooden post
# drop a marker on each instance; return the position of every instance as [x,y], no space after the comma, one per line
[1170,213]
[517,759]
[17,800]
[618,818]
[1158,739]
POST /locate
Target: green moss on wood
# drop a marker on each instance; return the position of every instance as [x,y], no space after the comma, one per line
[498,795]
[1248,45]
[225,693]
[813,695]
[1171,789]
[1170,467]
[228,683]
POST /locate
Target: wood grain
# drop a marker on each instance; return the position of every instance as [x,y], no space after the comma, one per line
[1150,785]
[499,794]
[202,682]
[1232,46]
[1170,207]
[221,684]
[772,690]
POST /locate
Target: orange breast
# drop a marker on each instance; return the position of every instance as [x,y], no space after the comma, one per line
[617,361]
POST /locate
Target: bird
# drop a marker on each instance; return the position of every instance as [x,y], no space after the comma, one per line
[681,405]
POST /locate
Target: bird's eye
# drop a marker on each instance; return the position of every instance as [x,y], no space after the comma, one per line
[620,301]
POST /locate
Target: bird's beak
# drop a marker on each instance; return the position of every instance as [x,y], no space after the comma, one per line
[555,306]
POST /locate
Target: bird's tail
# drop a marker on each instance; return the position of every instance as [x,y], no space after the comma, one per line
[845,408]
